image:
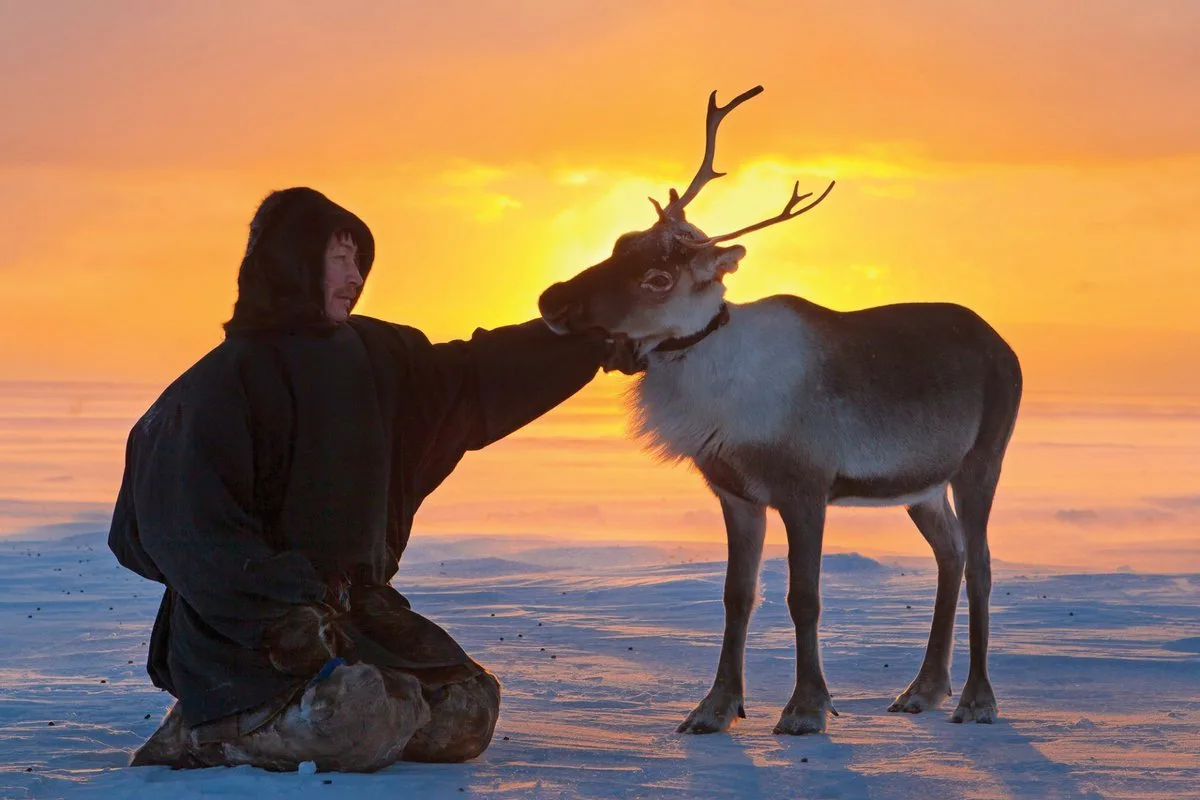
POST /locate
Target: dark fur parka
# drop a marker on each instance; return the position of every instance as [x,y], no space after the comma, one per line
[294,455]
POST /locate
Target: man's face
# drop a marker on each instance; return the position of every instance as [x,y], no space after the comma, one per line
[342,279]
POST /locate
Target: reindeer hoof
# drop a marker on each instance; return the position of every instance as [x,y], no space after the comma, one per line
[922,695]
[985,715]
[799,721]
[977,704]
[717,712]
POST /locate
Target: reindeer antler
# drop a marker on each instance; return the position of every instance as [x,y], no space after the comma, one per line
[706,173]
[786,214]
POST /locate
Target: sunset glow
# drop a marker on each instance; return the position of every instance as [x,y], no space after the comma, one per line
[1038,162]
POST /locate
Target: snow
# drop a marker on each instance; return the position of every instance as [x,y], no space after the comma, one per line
[1098,677]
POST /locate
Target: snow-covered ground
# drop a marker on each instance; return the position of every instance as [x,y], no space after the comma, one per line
[602,652]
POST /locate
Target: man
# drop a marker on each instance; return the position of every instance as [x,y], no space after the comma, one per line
[272,489]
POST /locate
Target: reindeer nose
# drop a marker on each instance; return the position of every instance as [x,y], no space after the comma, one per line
[557,308]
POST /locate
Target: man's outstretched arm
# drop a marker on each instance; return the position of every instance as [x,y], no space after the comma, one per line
[464,395]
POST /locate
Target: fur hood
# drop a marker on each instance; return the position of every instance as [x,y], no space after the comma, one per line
[280,283]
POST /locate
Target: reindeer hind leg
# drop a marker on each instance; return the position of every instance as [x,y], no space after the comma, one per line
[974,489]
[940,527]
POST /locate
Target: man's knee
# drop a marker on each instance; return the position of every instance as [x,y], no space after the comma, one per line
[354,721]
[462,720]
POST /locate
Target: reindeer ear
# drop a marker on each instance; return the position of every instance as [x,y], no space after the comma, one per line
[715,263]
[662,216]
[675,213]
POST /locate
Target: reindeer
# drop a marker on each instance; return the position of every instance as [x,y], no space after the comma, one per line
[782,403]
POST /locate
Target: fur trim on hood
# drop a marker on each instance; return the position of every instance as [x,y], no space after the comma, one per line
[280,283]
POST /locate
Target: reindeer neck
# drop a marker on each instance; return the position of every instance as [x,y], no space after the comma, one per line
[678,343]
[711,394]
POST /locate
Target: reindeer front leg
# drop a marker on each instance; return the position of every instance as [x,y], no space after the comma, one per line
[745,529]
[810,704]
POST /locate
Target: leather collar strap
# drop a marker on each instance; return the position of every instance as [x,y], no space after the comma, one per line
[684,342]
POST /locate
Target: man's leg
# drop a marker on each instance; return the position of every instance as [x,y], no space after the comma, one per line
[463,697]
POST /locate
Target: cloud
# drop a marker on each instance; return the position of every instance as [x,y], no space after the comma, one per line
[1114,516]
[1186,502]
[532,515]
[1165,555]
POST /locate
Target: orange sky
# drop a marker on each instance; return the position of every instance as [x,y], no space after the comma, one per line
[1039,162]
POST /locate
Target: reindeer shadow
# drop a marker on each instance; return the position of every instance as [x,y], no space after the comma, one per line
[753,762]
[922,754]
[943,757]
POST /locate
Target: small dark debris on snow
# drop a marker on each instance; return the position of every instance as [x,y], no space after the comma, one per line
[554,656]
[885,666]
[520,636]
[493,613]
[502,638]
[1072,613]
[49,724]
[804,760]
[102,680]
[539,624]
[506,738]
[631,648]
[146,717]
[327,781]
[908,606]
[543,649]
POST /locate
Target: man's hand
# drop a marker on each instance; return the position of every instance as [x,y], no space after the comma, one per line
[304,638]
[622,356]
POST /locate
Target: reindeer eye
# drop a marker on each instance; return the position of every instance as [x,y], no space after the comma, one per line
[656,280]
